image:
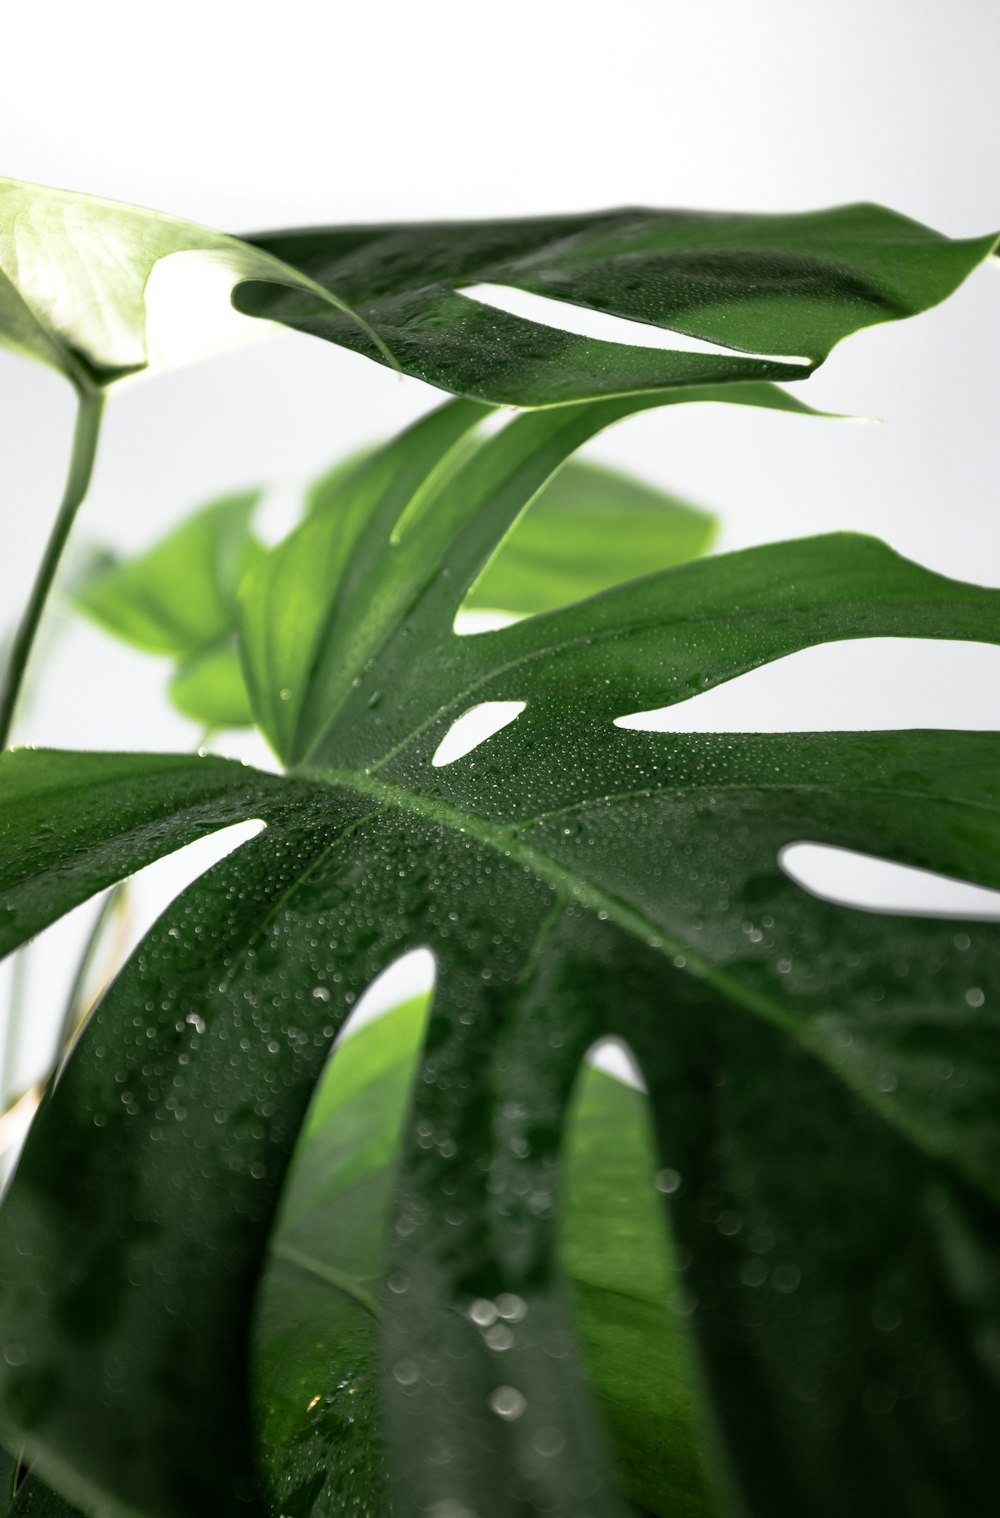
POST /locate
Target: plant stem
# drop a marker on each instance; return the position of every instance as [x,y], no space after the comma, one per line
[81,464]
[74,1008]
[12,1038]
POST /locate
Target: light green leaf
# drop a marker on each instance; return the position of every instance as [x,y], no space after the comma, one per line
[74,272]
[178,597]
[619,528]
[209,688]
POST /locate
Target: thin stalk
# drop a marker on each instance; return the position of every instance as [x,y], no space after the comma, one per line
[81,464]
[75,1007]
[12,1039]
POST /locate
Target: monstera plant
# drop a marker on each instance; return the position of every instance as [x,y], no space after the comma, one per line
[445,1272]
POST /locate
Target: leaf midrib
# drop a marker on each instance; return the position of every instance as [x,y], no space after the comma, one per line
[505,841]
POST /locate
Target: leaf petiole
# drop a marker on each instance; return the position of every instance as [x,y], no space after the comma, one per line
[81,464]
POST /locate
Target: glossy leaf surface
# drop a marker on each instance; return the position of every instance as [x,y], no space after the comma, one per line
[784,288]
[823,1091]
[74,273]
[316,1336]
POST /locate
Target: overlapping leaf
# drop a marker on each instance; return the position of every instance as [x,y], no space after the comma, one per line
[778,290]
[179,598]
[74,272]
[821,1080]
[316,1336]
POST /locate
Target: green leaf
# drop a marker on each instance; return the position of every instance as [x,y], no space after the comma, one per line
[319,608]
[316,1337]
[822,1081]
[178,597]
[619,528]
[74,272]
[209,688]
[72,824]
[784,288]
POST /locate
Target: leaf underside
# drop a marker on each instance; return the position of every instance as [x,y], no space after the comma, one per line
[777,290]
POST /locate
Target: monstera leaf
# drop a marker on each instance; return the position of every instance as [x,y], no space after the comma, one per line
[822,1083]
[779,291]
[74,277]
[179,597]
[316,1372]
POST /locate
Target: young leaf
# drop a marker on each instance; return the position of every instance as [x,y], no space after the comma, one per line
[763,285]
[179,599]
[180,595]
[316,1337]
[74,272]
[210,689]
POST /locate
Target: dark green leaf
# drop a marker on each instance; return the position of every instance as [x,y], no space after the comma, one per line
[321,606]
[316,1337]
[74,272]
[785,285]
[71,824]
[822,1081]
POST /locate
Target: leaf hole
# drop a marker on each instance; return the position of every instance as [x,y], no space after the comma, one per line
[627,1289]
[53,955]
[581,321]
[863,683]
[474,727]
[869,883]
[315,1343]
[614,1057]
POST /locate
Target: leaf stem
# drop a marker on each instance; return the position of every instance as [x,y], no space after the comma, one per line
[74,1007]
[81,464]
[12,1037]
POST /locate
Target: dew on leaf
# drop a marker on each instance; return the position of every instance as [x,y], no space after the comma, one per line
[507,1402]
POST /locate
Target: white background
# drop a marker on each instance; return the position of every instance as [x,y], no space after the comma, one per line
[246,117]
